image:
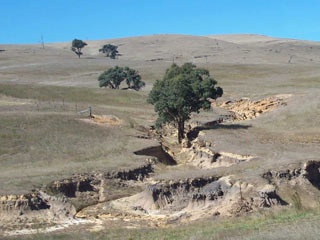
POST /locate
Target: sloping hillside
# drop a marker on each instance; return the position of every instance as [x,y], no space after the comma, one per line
[238,48]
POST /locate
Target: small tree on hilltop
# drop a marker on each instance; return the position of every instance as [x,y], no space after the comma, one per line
[110,50]
[133,79]
[182,90]
[113,77]
[77,46]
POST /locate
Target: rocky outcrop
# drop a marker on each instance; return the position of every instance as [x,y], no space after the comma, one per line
[244,108]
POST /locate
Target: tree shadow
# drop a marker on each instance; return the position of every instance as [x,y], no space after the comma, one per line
[159,153]
[89,58]
[231,126]
[193,133]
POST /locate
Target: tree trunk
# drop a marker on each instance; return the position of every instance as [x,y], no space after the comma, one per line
[78,52]
[180,131]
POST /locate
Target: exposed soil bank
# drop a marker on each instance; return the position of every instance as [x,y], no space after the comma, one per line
[213,195]
[91,188]
[166,202]
[35,209]
[150,203]
[67,197]
[310,171]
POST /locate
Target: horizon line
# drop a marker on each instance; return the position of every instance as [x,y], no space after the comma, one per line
[182,34]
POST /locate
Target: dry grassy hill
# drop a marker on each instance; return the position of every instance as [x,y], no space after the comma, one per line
[233,48]
[264,152]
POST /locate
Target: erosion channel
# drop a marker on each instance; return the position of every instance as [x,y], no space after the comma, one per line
[146,196]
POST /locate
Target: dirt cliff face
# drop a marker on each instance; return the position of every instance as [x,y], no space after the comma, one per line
[29,210]
[22,203]
[88,189]
[169,202]
[92,182]
[176,195]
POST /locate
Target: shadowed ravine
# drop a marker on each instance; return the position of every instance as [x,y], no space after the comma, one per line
[159,153]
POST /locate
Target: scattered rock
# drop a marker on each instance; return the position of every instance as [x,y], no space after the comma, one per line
[244,108]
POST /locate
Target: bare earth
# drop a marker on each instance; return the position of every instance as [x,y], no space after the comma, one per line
[256,148]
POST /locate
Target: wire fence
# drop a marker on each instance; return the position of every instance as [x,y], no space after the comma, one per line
[61,106]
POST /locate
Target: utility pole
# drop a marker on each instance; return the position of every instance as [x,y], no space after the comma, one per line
[291,56]
[42,42]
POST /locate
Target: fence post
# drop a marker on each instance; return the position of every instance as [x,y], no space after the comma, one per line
[89,109]
[90,112]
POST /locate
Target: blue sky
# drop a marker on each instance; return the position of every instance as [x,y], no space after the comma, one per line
[24,21]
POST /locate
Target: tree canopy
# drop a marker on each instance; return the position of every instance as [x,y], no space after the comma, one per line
[113,77]
[110,50]
[77,46]
[182,90]
[133,79]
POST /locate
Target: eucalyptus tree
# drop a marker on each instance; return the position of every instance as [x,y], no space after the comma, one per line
[182,91]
